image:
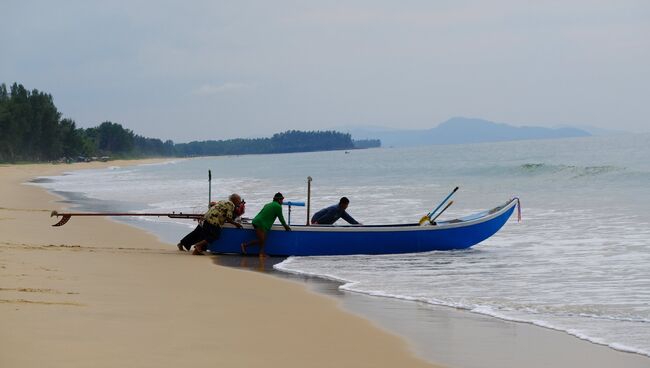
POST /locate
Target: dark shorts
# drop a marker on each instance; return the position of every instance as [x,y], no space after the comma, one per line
[204,231]
[210,232]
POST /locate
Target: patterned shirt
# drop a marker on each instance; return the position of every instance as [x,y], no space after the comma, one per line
[221,212]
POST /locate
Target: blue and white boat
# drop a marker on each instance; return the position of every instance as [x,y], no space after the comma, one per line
[329,240]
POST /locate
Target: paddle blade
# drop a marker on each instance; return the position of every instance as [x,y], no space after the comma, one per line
[63,221]
[424,219]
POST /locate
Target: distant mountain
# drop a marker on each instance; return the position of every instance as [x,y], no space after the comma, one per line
[464,130]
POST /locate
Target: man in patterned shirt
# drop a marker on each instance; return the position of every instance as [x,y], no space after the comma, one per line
[209,229]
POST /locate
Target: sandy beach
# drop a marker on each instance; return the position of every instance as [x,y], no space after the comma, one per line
[103,294]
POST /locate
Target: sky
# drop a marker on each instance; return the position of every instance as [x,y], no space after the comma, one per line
[222,69]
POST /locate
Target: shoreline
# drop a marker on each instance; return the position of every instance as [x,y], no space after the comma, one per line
[462,338]
[455,337]
[102,293]
[342,285]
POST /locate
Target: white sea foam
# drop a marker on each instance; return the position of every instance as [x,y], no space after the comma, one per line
[168,162]
[354,286]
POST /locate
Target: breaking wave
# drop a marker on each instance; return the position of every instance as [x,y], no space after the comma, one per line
[572,170]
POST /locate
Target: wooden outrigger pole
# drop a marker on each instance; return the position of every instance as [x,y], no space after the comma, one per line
[65,217]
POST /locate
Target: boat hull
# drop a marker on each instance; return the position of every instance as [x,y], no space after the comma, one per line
[382,239]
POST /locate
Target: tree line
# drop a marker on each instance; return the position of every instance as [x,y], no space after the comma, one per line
[32,129]
[289,141]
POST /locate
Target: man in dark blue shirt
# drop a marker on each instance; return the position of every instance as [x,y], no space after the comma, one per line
[329,215]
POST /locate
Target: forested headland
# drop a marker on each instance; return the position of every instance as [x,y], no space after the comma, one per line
[33,130]
[289,141]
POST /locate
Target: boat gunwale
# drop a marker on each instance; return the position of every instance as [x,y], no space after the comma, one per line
[443,225]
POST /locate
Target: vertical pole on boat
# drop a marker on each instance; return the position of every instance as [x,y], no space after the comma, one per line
[289,213]
[209,188]
[308,197]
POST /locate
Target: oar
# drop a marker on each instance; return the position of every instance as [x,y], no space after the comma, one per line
[65,217]
[433,220]
[428,216]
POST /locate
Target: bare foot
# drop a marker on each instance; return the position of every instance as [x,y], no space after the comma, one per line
[197,252]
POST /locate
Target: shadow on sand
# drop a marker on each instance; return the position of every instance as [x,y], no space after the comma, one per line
[266,265]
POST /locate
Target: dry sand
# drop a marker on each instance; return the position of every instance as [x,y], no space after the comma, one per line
[97,293]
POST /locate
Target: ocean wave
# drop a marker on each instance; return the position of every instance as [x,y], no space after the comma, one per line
[506,314]
[573,170]
[169,162]
[544,170]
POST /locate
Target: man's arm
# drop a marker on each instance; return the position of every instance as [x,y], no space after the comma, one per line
[348,218]
[281,218]
[232,222]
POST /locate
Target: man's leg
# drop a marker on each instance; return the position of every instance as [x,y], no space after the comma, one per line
[260,237]
[200,247]
[192,238]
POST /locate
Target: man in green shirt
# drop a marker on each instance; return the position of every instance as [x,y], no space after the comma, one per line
[264,220]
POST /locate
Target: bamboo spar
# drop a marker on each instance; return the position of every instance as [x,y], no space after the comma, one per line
[209,188]
[65,217]
[308,197]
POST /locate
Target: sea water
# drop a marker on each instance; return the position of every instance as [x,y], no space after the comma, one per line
[579,262]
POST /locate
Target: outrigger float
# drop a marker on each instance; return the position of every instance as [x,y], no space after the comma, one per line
[329,240]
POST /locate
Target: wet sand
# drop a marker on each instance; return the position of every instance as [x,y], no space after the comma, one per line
[98,293]
[457,338]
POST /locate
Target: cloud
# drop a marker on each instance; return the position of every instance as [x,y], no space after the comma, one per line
[216,89]
[270,66]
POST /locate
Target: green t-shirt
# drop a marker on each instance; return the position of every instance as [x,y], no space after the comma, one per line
[266,217]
